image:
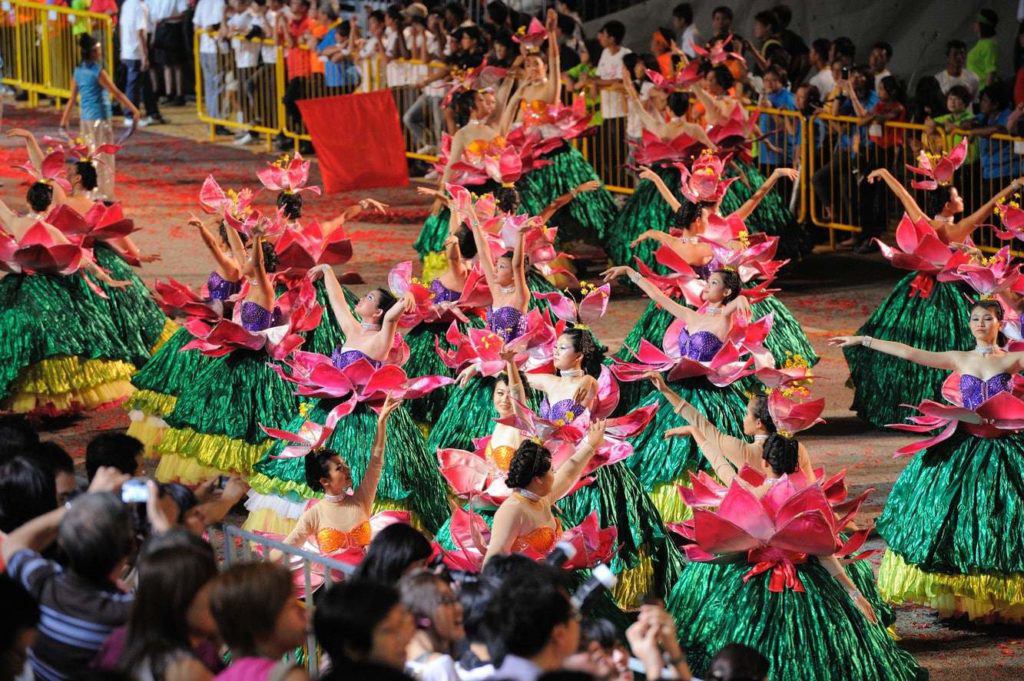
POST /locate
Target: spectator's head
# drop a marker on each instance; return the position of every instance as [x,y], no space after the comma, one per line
[958,98]
[808,99]
[54,459]
[721,21]
[891,89]
[784,15]
[600,643]
[172,598]
[781,453]
[590,52]
[395,551]
[682,16]
[17,627]
[435,609]
[611,34]
[878,58]
[497,13]
[256,611]
[566,6]
[985,24]
[863,80]
[844,50]
[326,472]
[928,99]
[97,535]
[375,23]
[39,196]
[531,616]
[956,56]
[393,17]
[565,26]
[27,491]
[774,79]
[17,436]
[737,662]
[299,8]
[766,24]
[719,80]
[474,597]
[993,100]
[454,15]
[344,29]
[470,39]
[83,174]
[820,49]
[89,48]
[530,469]
[117,450]
[372,307]
[258,7]
[661,41]
[363,621]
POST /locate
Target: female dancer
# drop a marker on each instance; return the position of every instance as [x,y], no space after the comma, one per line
[915,312]
[94,85]
[952,520]
[410,476]
[662,465]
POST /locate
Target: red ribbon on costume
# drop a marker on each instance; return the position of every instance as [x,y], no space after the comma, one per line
[922,285]
[782,565]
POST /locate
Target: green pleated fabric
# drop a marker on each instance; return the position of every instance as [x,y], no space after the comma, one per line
[425,361]
[169,371]
[959,507]
[47,316]
[411,475]
[433,233]
[136,316]
[771,217]
[787,339]
[644,209]
[863,577]
[588,216]
[656,460]
[815,635]
[937,323]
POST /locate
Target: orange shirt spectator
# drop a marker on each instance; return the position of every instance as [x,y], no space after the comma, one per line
[297,58]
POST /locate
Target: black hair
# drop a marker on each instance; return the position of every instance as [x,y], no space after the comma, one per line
[462,104]
[769,20]
[507,199]
[995,308]
[585,343]
[784,15]
[269,256]
[782,454]
[844,47]
[17,436]
[732,281]
[723,10]
[600,631]
[683,11]
[474,597]
[869,77]
[467,244]
[53,458]
[290,205]
[377,15]
[112,449]
[456,9]
[593,49]
[723,76]
[884,47]
[955,45]
[928,100]
[938,198]
[997,95]
[172,571]
[629,63]
[650,63]
[497,12]
[961,92]
[688,212]
[895,88]
[820,47]
[184,498]
[346,616]
[394,12]
[86,43]
[315,463]
[391,552]
[39,196]
[566,24]
[737,662]
[87,173]
[678,103]
[615,30]
[27,491]
[988,27]
[530,461]
[473,32]
[526,607]
[386,300]
[344,28]
[21,612]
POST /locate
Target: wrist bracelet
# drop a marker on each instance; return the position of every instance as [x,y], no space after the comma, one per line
[634,276]
[866,342]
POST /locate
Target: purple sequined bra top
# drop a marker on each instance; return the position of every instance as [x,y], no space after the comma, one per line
[507,322]
[443,294]
[700,346]
[255,317]
[342,357]
[974,391]
[563,410]
[220,288]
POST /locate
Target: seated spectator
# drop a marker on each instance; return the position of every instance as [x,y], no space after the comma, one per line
[396,550]
[821,67]
[533,621]
[737,662]
[116,450]
[260,620]
[878,61]
[97,538]
[27,491]
[359,623]
[955,73]
[55,459]
[18,629]
[686,30]
[983,59]
[437,612]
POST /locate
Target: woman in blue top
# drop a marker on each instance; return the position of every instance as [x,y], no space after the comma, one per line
[93,83]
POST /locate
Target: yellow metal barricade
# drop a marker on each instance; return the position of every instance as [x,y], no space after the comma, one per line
[781,142]
[39,46]
[992,163]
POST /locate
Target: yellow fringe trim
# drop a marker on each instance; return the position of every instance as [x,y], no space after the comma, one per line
[175,468]
[70,384]
[282,488]
[148,430]
[208,452]
[635,584]
[170,327]
[665,497]
[434,265]
[151,403]
[992,597]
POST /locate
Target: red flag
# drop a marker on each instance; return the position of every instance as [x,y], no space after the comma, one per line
[358,140]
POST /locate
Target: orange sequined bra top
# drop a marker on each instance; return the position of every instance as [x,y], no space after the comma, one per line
[535,112]
[543,538]
[500,456]
[332,540]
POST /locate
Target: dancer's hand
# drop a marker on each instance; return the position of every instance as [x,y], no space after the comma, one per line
[152,257]
[657,379]
[875,175]
[462,380]
[390,405]
[591,186]
[19,132]
[374,205]
[846,341]
[647,174]
[613,273]
[864,606]
[681,431]
[790,173]
[646,235]
[741,304]
[595,434]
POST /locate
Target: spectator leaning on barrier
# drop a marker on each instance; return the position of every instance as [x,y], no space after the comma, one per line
[294,34]
[955,72]
[844,50]
[983,59]
[609,68]
[998,162]
[796,48]
[243,30]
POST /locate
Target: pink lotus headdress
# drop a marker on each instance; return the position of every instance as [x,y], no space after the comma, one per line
[652,149]
[52,170]
[288,175]
[938,169]
[725,367]
[991,275]
[235,207]
[176,298]
[703,182]
[792,416]
[1012,217]
[100,223]
[717,54]
[531,37]
[401,282]
[581,315]
[301,247]
[39,251]
[556,120]
[483,77]
[483,348]
[78,149]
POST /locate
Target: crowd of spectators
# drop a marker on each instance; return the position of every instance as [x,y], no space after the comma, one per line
[100,583]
